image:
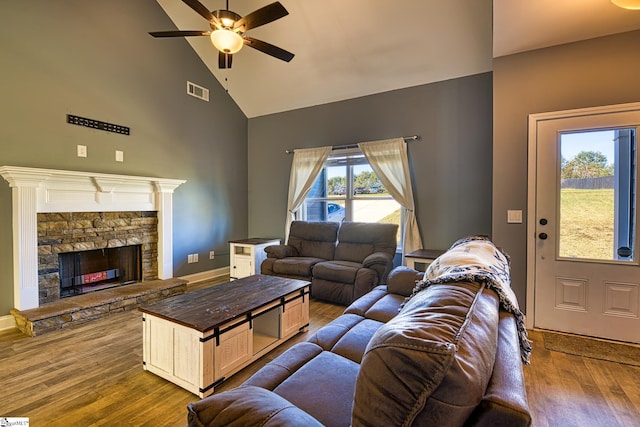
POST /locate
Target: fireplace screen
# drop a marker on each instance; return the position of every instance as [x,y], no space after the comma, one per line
[89,271]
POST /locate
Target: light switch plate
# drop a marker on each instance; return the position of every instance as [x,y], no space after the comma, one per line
[119,156]
[82,150]
[514,216]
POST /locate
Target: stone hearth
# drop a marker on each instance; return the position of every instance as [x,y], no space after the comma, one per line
[72,311]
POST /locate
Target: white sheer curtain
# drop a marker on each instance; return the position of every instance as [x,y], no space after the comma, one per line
[389,160]
[307,164]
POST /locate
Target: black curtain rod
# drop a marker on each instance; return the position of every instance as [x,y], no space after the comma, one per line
[344,147]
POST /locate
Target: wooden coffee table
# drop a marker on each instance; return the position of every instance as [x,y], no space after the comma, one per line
[198,339]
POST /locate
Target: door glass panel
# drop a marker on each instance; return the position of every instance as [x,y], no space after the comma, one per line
[597,195]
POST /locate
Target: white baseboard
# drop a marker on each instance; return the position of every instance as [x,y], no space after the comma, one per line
[206,275]
[7,322]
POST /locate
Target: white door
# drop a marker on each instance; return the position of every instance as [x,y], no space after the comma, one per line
[586,257]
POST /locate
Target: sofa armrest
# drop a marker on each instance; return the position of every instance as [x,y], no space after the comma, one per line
[505,400]
[280,251]
[402,280]
[381,263]
[377,258]
[247,406]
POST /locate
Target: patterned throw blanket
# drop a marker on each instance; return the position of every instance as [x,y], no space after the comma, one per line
[477,259]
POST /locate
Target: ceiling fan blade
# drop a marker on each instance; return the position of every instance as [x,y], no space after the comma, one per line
[268,48]
[224,60]
[186,33]
[262,16]
[200,8]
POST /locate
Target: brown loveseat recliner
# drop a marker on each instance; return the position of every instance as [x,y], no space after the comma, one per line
[340,271]
[450,356]
[309,243]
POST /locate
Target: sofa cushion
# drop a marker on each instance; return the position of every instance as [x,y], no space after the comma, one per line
[230,409]
[377,305]
[324,388]
[353,344]
[283,366]
[327,336]
[337,271]
[357,240]
[348,336]
[316,239]
[295,266]
[319,382]
[431,364]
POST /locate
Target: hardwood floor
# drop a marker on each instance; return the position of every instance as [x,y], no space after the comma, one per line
[92,375]
[566,390]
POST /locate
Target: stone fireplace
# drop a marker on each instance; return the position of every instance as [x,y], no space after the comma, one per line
[55,211]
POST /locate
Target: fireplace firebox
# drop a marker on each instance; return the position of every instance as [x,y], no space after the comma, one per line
[94,270]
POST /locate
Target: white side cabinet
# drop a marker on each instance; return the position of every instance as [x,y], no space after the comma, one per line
[247,255]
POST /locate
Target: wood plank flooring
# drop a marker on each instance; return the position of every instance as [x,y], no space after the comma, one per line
[92,375]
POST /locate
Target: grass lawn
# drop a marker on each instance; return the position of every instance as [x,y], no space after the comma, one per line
[586,223]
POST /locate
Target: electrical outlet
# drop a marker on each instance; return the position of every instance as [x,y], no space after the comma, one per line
[82,150]
[212,254]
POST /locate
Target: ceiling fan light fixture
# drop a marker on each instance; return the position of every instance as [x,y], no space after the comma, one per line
[627,4]
[226,41]
[226,17]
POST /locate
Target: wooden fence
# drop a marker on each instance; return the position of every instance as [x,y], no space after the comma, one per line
[598,183]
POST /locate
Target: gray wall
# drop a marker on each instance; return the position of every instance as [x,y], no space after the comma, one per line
[596,72]
[94,58]
[451,164]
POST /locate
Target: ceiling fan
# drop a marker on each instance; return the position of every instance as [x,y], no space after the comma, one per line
[228,28]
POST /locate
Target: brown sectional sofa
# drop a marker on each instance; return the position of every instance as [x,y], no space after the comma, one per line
[450,356]
[342,261]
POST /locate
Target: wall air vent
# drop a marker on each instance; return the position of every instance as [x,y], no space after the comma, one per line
[198,91]
[97,124]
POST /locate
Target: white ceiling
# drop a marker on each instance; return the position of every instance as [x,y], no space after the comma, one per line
[346,49]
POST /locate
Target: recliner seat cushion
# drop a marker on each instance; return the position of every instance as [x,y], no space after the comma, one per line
[348,336]
[377,304]
[295,266]
[318,382]
[323,388]
[337,271]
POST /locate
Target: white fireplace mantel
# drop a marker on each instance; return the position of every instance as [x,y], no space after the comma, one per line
[36,191]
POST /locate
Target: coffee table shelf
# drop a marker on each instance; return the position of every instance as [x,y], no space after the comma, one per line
[199,339]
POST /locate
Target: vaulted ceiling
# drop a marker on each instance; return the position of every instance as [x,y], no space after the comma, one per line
[347,49]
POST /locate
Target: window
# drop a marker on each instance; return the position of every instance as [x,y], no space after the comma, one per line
[598,194]
[347,189]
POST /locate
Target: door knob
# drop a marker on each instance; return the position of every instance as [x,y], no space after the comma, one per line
[543,236]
